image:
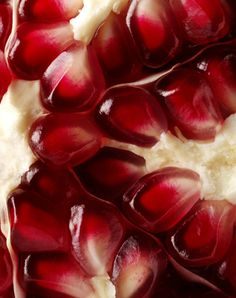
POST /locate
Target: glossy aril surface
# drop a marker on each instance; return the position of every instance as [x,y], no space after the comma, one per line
[132,115]
[5,268]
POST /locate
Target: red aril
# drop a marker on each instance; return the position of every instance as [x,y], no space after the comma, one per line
[49,10]
[47,182]
[54,275]
[5,268]
[202,21]
[110,172]
[5,23]
[138,266]
[5,77]
[153,29]
[205,234]
[35,46]
[159,200]
[35,224]
[114,49]
[64,139]
[96,236]
[191,103]
[73,81]
[131,114]
[219,65]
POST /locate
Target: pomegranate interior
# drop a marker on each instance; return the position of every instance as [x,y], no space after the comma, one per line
[118,151]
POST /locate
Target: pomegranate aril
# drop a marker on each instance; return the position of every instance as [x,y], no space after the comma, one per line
[152,27]
[54,275]
[5,23]
[58,186]
[73,81]
[204,235]
[62,139]
[201,21]
[96,236]
[131,114]
[35,46]
[35,224]
[191,103]
[219,64]
[159,200]
[5,269]
[111,172]
[114,49]
[5,77]
[138,266]
[49,10]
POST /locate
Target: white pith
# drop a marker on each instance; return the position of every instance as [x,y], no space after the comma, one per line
[215,161]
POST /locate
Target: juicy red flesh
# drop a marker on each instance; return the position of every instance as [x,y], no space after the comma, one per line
[159,200]
[49,10]
[111,172]
[62,139]
[131,114]
[5,77]
[5,269]
[73,81]
[34,47]
[5,23]
[204,235]
[190,102]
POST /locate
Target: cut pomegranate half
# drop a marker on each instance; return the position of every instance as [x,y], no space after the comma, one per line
[62,139]
[201,21]
[131,114]
[204,235]
[191,103]
[159,200]
[153,28]
[111,172]
[73,81]
[49,10]
[34,47]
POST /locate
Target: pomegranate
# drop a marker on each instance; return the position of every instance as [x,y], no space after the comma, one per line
[118,161]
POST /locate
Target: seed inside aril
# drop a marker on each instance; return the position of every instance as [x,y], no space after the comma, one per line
[159,200]
[191,103]
[110,172]
[73,81]
[131,114]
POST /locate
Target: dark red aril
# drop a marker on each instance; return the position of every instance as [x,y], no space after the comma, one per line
[5,77]
[114,49]
[111,172]
[191,103]
[204,235]
[153,29]
[159,200]
[73,81]
[49,10]
[6,271]
[47,182]
[64,139]
[219,64]
[132,115]
[138,266]
[54,275]
[35,223]
[96,236]
[201,21]
[35,46]
[5,23]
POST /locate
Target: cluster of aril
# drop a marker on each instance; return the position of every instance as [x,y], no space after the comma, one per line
[88,214]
